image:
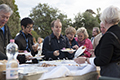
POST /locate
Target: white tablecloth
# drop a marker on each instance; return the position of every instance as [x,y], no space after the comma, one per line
[63,71]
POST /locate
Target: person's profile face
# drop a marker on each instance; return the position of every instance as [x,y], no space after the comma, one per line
[57,28]
[4,17]
[102,28]
[94,32]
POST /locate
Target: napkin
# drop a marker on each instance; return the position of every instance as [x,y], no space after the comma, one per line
[59,71]
[86,69]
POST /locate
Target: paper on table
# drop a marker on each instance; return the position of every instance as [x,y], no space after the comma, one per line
[79,51]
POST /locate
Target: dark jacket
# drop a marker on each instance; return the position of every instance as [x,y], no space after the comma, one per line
[74,42]
[108,49]
[4,40]
[56,44]
[21,42]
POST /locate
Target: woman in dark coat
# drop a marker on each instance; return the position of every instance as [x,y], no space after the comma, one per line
[108,50]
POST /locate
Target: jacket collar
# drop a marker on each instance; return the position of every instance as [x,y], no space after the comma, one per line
[112,27]
[25,34]
[53,36]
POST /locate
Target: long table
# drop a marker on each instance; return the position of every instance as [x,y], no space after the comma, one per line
[89,75]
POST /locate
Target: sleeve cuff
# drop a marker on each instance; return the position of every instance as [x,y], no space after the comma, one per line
[91,60]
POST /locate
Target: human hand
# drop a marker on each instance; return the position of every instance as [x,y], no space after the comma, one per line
[92,52]
[28,57]
[75,47]
[35,47]
[70,52]
[39,49]
[80,60]
[56,53]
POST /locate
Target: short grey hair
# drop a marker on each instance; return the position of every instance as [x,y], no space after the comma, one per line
[53,22]
[82,30]
[5,8]
[110,15]
[97,29]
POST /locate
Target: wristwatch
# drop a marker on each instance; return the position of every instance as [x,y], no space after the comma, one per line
[86,59]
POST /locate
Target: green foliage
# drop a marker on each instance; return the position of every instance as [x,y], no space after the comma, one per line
[89,22]
[65,22]
[78,21]
[43,15]
[86,20]
[14,21]
[34,34]
[98,14]
[90,11]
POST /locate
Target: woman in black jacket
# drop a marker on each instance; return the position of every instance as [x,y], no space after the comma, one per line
[108,50]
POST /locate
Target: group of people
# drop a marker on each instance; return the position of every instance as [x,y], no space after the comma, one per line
[53,43]
[105,45]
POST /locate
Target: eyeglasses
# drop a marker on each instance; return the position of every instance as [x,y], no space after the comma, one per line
[29,27]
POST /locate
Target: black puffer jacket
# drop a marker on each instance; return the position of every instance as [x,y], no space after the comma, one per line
[4,40]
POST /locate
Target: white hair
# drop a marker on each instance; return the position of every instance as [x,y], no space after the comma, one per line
[110,15]
[5,8]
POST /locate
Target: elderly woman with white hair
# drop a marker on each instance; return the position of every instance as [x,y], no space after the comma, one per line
[108,50]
